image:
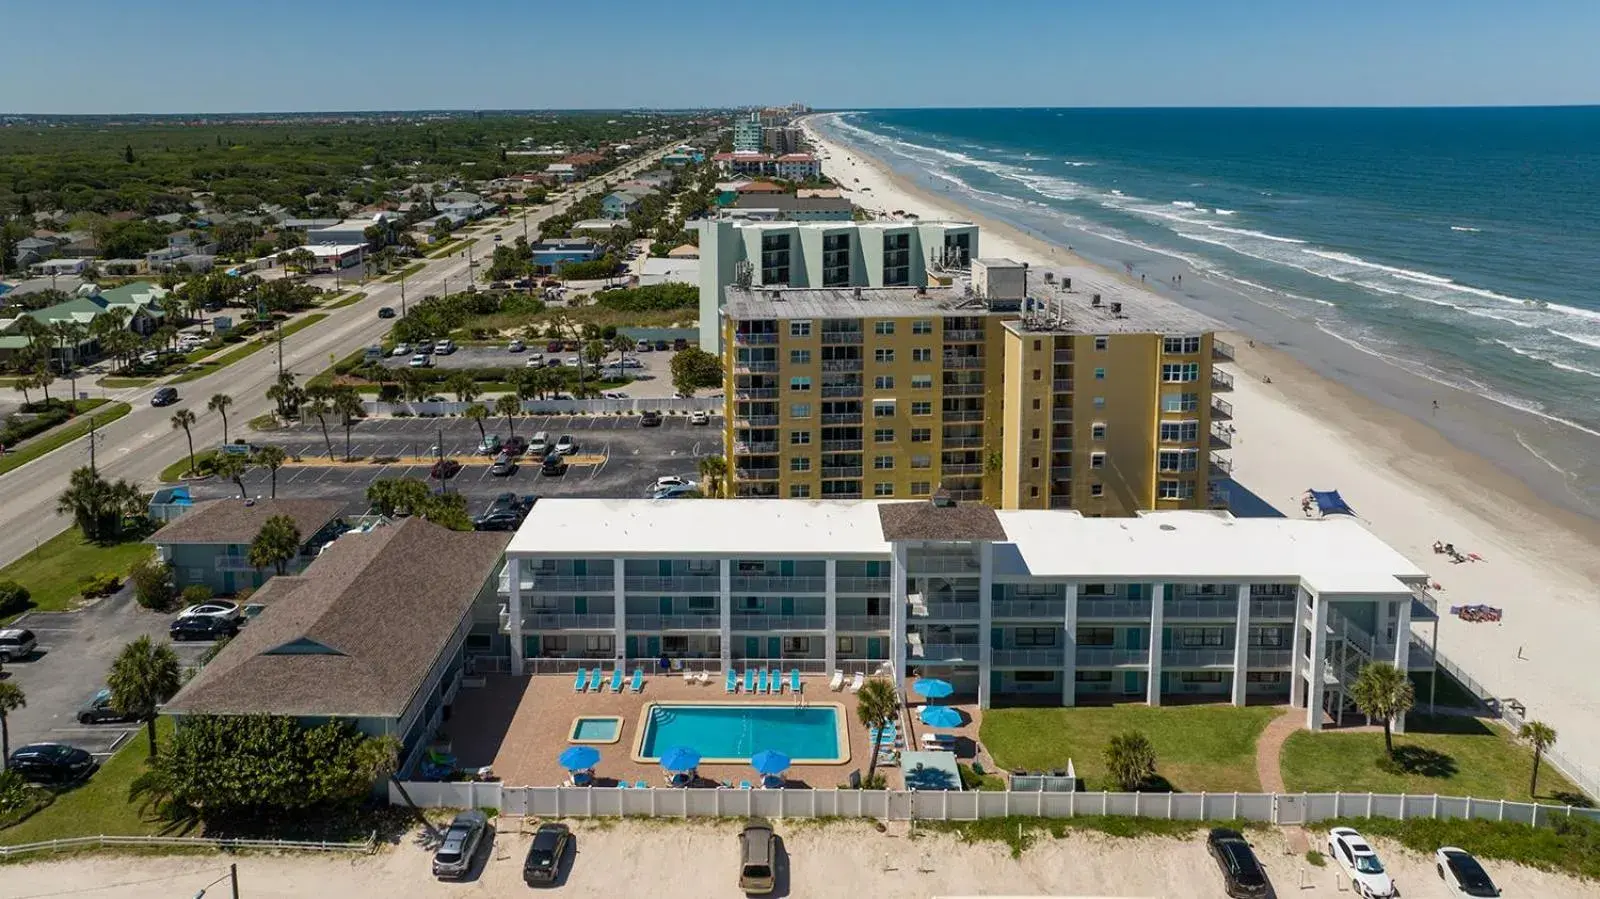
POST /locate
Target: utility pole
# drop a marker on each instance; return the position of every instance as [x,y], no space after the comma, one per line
[402,293]
[279,324]
[233,879]
[91,445]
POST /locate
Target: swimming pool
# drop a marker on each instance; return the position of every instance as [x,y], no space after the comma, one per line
[731,732]
[595,729]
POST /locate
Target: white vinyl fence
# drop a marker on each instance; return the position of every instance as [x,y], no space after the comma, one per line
[631,405]
[947,805]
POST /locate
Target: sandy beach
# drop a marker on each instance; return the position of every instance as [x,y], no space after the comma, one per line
[1407,481]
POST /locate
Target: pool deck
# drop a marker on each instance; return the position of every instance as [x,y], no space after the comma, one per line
[518,725]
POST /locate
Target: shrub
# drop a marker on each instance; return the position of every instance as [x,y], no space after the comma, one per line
[100,584]
[152,584]
[13,598]
[195,594]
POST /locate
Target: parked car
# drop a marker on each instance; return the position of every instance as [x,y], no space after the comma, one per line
[201,627]
[504,518]
[675,491]
[566,446]
[445,347]
[551,844]
[385,312]
[400,349]
[489,445]
[758,858]
[1242,875]
[650,419]
[444,469]
[644,347]
[54,763]
[421,360]
[672,480]
[17,643]
[1351,852]
[164,396]
[539,445]
[554,464]
[614,395]
[98,710]
[516,346]
[216,608]
[453,859]
[661,344]
[699,417]
[628,362]
[436,398]
[514,445]
[504,465]
[1461,873]
[425,349]
[553,346]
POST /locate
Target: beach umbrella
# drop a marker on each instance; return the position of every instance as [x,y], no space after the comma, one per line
[769,761]
[680,758]
[940,716]
[932,687]
[579,758]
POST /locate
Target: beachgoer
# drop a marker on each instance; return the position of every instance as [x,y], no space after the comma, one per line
[1436,405]
[1438,547]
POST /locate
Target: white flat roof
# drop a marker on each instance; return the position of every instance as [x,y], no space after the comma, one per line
[333,249]
[724,527]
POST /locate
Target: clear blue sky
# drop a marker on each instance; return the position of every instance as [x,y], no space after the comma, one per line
[112,56]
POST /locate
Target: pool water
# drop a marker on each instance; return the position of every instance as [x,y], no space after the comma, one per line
[596,730]
[733,733]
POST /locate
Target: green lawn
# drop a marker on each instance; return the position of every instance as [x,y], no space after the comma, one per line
[350,300]
[101,805]
[1198,747]
[54,571]
[115,382]
[448,248]
[1448,755]
[61,435]
[406,272]
[248,349]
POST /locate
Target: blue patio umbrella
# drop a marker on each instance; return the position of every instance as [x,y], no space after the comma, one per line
[940,716]
[680,758]
[932,687]
[579,758]
[769,761]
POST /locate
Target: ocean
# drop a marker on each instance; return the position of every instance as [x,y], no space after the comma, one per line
[1458,244]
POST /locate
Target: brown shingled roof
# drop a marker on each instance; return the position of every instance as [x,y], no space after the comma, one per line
[356,633]
[229,521]
[925,520]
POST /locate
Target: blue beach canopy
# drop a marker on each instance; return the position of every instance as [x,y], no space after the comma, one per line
[579,758]
[1329,501]
[932,687]
[680,758]
[940,716]
[769,761]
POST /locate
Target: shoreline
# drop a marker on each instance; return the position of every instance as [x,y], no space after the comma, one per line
[1410,482]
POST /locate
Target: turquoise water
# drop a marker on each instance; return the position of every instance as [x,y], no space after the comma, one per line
[738,732]
[600,730]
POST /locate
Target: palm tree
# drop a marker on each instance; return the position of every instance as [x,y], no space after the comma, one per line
[462,385]
[272,458]
[876,706]
[219,404]
[476,413]
[1540,736]
[69,334]
[42,379]
[412,386]
[288,396]
[183,418]
[275,544]
[11,699]
[509,406]
[624,345]
[1131,760]
[317,404]
[143,676]
[231,466]
[1383,692]
[347,403]
[713,474]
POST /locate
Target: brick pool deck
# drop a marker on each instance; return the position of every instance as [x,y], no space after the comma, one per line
[518,725]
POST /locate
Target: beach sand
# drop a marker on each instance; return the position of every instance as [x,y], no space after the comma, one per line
[1406,480]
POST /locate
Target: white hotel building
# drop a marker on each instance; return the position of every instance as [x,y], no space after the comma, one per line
[1010,606]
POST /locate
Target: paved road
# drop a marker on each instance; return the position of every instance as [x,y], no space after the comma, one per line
[140,444]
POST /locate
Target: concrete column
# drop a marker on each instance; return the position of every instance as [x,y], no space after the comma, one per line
[831,611]
[1069,648]
[985,621]
[514,622]
[1241,645]
[725,609]
[897,614]
[619,600]
[1297,648]
[1402,650]
[1158,599]
[1319,654]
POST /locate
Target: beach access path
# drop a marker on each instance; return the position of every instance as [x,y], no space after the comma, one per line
[1407,483]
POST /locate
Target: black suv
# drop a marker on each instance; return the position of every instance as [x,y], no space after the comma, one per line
[201,627]
[650,419]
[551,844]
[499,519]
[554,464]
[51,763]
[164,396]
[385,312]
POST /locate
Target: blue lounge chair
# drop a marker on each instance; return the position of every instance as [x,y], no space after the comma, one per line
[777,679]
[794,680]
[582,679]
[640,785]
[637,683]
[749,680]
[744,784]
[730,683]
[616,680]
[595,681]
[761,681]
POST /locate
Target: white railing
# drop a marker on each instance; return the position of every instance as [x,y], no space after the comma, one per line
[1224,609]
[682,583]
[765,623]
[107,840]
[1113,609]
[744,583]
[946,652]
[1196,658]
[1091,656]
[1031,609]
[783,666]
[683,621]
[880,585]
[857,623]
[555,621]
[947,611]
[1026,658]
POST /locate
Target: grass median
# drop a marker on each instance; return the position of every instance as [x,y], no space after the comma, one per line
[60,436]
[405,273]
[448,249]
[249,349]
[350,300]
[54,571]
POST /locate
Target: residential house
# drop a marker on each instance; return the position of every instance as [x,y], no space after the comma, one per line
[619,204]
[210,544]
[549,255]
[585,164]
[58,266]
[30,250]
[797,167]
[374,632]
[332,257]
[561,171]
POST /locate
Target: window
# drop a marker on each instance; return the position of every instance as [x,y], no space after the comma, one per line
[799,329]
[883,328]
[921,435]
[703,566]
[1177,460]
[799,410]
[883,463]
[752,568]
[800,645]
[1095,590]
[1200,677]
[1180,431]
[1186,346]
[921,461]
[922,326]
[702,604]
[883,382]
[800,463]
[1099,402]
[846,644]
[1264,677]
[1101,342]
[799,357]
[1033,462]
[1099,374]
[799,383]
[1035,433]
[922,408]
[1093,677]
[1033,677]
[883,488]
[1191,637]
[799,491]
[799,438]
[882,408]
[1180,402]
[674,645]
[920,488]
[922,354]
[1036,636]
[921,382]
[1037,373]
[1097,460]
[1097,431]
[1175,489]
[1180,372]
[883,355]
[1266,636]
[883,435]
[1097,490]
[1097,636]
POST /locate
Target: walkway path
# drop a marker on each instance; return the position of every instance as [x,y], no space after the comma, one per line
[1269,748]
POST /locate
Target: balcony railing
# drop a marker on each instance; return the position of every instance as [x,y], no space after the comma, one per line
[754,338]
[1109,656]
[1221,437]
[836,472]
[1210,609]
[841,446]
[963,390]
[755,421]
[916,565]
[955,415]
[861,623]
[964,496]
[755,393]
[830,393]
[755,449]
[1221,465]
[1221,409]
[961,469]
[876,585]
[963,335]
[569,584]
[680,583]
[963,362]
[841,365]
[747,583]
[747,367]
[842,418]
[1113,609]
[1026,658]
[559,621]
[945,611]
[765,623]
[1061,385]
[1222,351]
[755,474]
[1268,658]
[841,336]
[1221,380]
[962,442]
[944,652]
[1272,609]
[1061,415]
[1061,357]
[674,622]
[1061,472]
[1029,609]
[1197,658]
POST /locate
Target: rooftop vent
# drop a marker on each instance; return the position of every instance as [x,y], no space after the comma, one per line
[1095,301]
[777,296]
[858,293]
[1116,308]
[942,499]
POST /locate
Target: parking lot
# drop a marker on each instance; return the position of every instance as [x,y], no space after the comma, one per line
[652,379]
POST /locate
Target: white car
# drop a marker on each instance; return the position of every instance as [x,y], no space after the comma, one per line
[699,417]
[1352,853]
[1461,873]
[672,492]
[672,480]
[421,361]
[566,446]
[216,608]
[533,362]
[400,349]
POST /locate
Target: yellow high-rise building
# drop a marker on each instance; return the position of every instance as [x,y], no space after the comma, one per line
[1023,399]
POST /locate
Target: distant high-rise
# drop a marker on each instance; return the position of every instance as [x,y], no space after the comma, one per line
[748,134]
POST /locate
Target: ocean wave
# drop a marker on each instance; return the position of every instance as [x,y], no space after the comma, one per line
[1220,211]
[1590,340]
[1465,228]
[1183,204]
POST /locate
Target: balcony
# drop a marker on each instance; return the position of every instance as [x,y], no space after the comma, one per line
[1268,658]
[1205,609]
[1272,609]
[1220,351]
[861,623]
[1113,609]
[922,564]
[1221,409]
[847,392]
[755,449]
[1110,657]
[959,415]
[1061,472]
[841,365]
[874,585]
[755,474]
[755,393]
[746,583]
[768,623]
[678,583]
[963,335]
[674,622]
[1221,466]
[755,421]
[841,336]
[1062,357]
[1197,658]
[944,652]
[963,390]
[1026,658]
[962,469]
[1061,385]
[962,442]
[964,496]
[842,418]
[1028,610]
[746,367]
[561,621]
[841,446]
[944,611]
[1221,380]
[569,584]
[963,362]
[1058,501]
[755,338]
[1221,437]
[1061,415]
[837,472]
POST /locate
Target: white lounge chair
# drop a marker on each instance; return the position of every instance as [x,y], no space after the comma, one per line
[856,682]
[688,677]
[837,683]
